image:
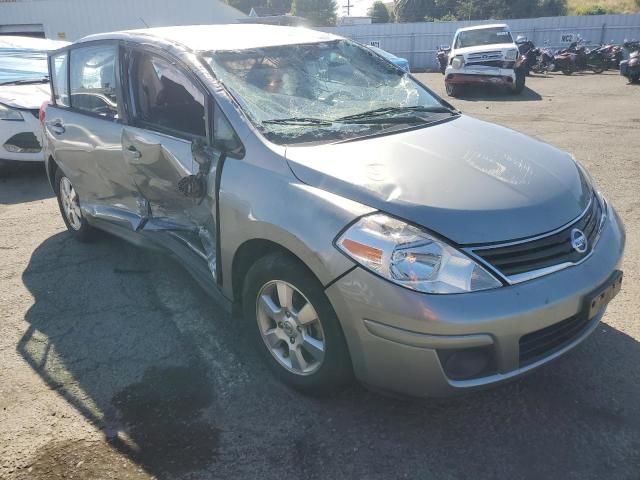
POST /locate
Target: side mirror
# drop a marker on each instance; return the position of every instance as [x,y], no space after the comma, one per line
[202,152]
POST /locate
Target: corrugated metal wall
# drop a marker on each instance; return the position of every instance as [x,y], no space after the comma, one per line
[77,18]
[418,42]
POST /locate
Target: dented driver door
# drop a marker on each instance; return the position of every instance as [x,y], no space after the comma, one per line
[166,149]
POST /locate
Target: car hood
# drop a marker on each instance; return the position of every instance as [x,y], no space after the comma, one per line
[25,96]
[485,48]
[469,180]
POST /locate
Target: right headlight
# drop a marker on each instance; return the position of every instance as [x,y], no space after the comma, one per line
[7,113]
[457,62]
[411,257]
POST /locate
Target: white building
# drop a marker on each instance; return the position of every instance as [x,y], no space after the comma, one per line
[73,19]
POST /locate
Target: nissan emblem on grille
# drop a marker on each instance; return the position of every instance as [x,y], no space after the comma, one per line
[578,240]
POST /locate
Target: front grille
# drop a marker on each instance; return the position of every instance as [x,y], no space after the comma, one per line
[547,251]
[544,342]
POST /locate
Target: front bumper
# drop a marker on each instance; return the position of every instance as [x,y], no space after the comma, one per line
[12,129]
[469,75]
[395,335]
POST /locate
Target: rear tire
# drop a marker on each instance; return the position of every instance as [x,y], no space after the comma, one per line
[567,70]
[69,205]
[597,69]
[277,290]
[452,90]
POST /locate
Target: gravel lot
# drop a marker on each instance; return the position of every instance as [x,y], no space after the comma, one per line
[114,364]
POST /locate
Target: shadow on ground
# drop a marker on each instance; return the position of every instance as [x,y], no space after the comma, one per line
[474,93]
[28,182]
[129,340]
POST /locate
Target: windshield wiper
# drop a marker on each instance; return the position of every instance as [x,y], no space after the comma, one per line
[378,112]
[302,121]
[26,82]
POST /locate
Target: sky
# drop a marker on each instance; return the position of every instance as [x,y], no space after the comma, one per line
[359,7]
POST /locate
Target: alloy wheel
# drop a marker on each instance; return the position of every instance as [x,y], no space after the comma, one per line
[70,204]
[290,327]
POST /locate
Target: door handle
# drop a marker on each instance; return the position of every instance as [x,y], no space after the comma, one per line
[57,127]
[133,151]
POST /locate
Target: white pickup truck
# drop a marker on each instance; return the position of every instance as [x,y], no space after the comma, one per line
[484,54]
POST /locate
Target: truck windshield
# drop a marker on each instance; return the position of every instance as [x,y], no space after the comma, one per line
[484,36]
[323,91]
[22,66]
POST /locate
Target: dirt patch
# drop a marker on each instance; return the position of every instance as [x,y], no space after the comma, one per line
[83,460]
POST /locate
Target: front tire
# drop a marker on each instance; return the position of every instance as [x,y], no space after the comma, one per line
[294,325]
[519,83]
[452,89]
[69,204]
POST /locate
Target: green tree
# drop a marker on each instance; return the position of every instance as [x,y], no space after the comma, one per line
[318,12]
[378,13]
[280,5]
[413,10]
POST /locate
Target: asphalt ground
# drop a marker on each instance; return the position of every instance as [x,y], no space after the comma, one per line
[115,365]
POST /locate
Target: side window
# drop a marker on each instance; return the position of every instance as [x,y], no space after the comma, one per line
[165,98]
[93,79]
[59,79]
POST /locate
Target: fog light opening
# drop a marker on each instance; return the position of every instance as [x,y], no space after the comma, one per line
[468,363]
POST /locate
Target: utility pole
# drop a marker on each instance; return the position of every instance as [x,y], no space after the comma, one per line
[348,7]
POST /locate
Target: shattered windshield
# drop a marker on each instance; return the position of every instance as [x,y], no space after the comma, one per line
[19,65]
[484,36]
[323,91]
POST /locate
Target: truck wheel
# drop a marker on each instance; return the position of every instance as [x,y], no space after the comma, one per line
[452,89]
[518,85]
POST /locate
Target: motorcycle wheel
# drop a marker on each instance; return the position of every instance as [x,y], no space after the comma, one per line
[634,78]
[597,68]
[551,67]
[567,70]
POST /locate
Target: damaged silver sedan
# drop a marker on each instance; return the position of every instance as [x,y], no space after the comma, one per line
[364,225]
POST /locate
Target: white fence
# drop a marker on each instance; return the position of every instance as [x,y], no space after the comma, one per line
[418,42]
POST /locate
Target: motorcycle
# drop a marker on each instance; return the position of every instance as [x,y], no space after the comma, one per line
[578,58]
[545,61]
[612,55]
[631,68]
[528,54]
[443,57]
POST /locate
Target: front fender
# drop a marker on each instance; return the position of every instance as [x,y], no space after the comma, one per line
[263,204]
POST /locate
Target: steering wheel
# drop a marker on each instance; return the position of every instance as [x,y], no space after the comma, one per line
[339,96]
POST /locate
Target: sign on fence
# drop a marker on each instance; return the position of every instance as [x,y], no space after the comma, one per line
[568,38]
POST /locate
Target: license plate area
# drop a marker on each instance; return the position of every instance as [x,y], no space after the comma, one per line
[604,294]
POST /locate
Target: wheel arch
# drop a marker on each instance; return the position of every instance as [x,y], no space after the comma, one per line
[51,167]
[248,253]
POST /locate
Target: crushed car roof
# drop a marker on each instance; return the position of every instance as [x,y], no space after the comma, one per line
[222,37]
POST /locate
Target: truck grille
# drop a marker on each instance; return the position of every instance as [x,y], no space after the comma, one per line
[547,251]
[484,56]
[544,342]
